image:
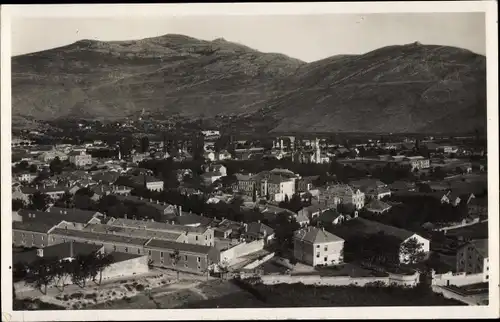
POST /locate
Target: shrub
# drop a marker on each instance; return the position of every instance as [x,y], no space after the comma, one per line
[90,296]
[76,296]
[139,287]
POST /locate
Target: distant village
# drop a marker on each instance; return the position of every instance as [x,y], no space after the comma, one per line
[282,210]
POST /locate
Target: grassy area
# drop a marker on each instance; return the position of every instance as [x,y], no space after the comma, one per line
[298,295]
[477,231]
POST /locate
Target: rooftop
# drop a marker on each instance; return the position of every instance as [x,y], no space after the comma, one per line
[316,235]
[100,237]
[156,226]
[131,232]
[59,251]
[181,247]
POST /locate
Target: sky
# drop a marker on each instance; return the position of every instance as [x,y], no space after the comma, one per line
[306,37]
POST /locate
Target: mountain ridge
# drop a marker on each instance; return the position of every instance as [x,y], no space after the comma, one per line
[400,88]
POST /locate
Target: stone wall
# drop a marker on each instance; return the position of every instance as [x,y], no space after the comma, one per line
[241,249]
[259,262]
[402,280]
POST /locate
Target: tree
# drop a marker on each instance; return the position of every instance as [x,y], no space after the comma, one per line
[175,257]
[100,262]
[223,268]
[62,271]
[66,200]
[81,269]
[56,166]
[39,201]
[412,251]
[41,272]
[144,144]
[33,168]
[17,204]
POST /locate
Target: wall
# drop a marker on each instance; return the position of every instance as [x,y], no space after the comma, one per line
[137,265]
[195,263]
[406,280]
[259,262]
[29,238]
[241,249]
[457,279]
[283,262]
[463,224]
[303,251]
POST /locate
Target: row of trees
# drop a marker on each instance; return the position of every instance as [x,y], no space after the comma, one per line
[46,271]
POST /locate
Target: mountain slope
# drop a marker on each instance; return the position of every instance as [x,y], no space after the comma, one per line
[171,74]
[411,88]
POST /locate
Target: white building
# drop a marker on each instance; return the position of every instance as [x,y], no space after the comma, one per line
[316,246]
[80,158]
[347,195]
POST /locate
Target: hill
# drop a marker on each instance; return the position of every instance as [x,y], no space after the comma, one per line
[410,88]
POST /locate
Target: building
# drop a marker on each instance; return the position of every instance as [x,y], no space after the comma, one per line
[368,227]
[417,162]
[246,184]
[331,217]
[347,195]
[217,168]
[305,184]
[48,156]
[451,198]
[62,251]
[192,235]
[257,230]
[472,258]
[53,191]
[80,159]
[372,188]
[26,177]
[378,207]
[316,246]
[278,188]
[313,210]
[192,258]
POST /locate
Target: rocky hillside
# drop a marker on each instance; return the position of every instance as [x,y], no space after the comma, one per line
[412,88]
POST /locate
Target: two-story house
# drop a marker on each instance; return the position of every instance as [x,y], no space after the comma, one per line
[472,258]
[316,246]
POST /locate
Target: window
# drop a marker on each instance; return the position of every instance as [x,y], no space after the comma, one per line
[161,254]
[114,247]
[43,237]
[186,265]
[317,246]
[326,259]
[198,259]
[185,258]
[138,250]
[126,249]
[196,237]
[326,248]
[317,255]
[149,252]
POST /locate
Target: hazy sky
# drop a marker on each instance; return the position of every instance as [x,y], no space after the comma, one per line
[307,37]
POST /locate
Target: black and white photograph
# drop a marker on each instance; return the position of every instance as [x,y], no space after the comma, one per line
[162,160]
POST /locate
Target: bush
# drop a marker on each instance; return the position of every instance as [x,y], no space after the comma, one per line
[90,296]
[139,287]
[76,296]
[129,287]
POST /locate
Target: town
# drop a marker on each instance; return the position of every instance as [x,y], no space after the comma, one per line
[174,212]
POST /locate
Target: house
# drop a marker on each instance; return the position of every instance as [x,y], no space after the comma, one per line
[398,186]
[302,219]
[219,168]
[451,198]
[106,177]
[53,191]
[224,155]
[246,184]
[76,216]
[305,184]
[193,220]
[142,180]
[417,162]
[313,211]
[347,195]
[48,156]
[210,156]
[316,246]
[372,188]
[478,207]
[226,229]
[31,234]
[256,231]
[472,258]
[378,207]
[26,177]
[80,158]
[278,188]
[368,227]
[331,217]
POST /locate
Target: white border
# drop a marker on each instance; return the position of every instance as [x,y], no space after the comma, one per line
[158,10]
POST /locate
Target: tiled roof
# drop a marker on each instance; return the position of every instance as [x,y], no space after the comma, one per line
[181,247]
[38,227]
[257,228]
[377,205]
[156,226]
[316,235]
[132,232]
[191,219]
[99,237]
[59,251]
[43,189]
[373,227]
[481,246]
[54,218]
[329,215]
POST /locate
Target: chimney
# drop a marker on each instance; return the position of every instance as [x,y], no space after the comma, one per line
[71,254]
[180,210]
[39,252]
[150,199]
[157,202]
[125,216]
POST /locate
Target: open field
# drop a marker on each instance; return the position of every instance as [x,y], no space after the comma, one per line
[298,295]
